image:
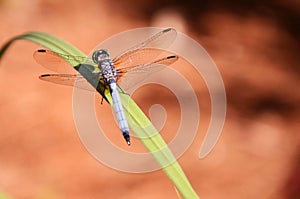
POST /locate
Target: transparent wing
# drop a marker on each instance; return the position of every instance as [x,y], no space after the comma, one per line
[58,62]
[162,39]
[133,75]
[139,57]
[146,51]
[61,63]
[137,61]
[68,80]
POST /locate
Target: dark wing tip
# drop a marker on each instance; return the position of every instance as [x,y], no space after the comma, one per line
[44,75]
[41,50]
[172,56]
[167,30]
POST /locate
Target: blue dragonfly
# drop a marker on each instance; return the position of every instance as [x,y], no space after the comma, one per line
[102,72]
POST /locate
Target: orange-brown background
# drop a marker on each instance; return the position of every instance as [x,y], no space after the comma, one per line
[256,47]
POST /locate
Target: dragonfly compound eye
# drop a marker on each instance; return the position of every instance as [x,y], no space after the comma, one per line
[100,55]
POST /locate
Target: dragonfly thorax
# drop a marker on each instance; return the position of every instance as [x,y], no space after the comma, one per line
[105,64]
[107,69]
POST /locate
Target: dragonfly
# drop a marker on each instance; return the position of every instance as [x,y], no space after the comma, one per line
[103,72]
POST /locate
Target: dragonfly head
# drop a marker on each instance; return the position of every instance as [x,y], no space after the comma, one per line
[100,55]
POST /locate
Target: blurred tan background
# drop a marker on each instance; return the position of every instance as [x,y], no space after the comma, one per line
[255,44]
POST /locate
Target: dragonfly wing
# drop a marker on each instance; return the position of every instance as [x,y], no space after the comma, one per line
[68,80]
[139,57]
[161,40]
[58,62]
[133,75]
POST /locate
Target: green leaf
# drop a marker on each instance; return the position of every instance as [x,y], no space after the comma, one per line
[137,120]
[4,196]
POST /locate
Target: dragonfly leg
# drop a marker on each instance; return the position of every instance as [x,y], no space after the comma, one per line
[104,87]
[102,96]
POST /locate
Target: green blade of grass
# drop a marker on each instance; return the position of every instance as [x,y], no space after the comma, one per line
[4,196]
[137,120]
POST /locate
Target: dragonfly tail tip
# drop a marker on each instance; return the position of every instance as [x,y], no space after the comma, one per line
[127,137]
